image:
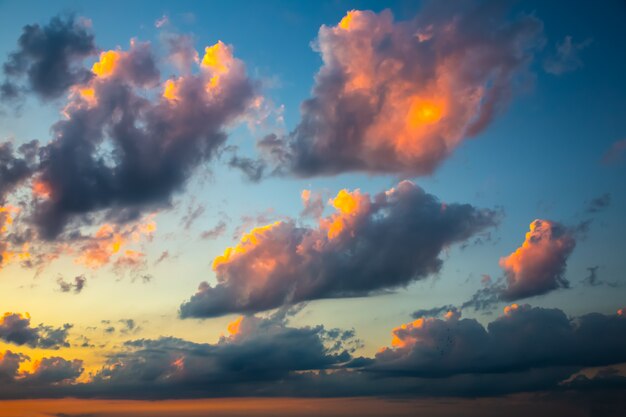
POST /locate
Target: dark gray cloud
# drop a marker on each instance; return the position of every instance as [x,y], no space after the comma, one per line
[55,370]
[599,203]
[593,280]
[399,97]
[50,58]
[152,147]
[527,349]
[523,339]
[48,372]
[15,167]
[255,352]
[16,328]
[368,245]
[77,286]
[433,312]
[252,169]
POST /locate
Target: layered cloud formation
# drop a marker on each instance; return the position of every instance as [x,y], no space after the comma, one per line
[266,356]
[369,244]
[522,339]
[538,265]
[399,97]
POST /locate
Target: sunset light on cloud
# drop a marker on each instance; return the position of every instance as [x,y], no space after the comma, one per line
[323,209]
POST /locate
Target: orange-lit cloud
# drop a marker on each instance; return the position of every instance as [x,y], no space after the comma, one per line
[401,96]
[367,244]
[107,63]
[538,265]
[110,240]
[436,348]
[10,251]
[350,207]
[41,189]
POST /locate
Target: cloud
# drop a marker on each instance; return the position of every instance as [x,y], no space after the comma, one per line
[14,169]
[400,97]
[523,339]
[252,169]
[366,246]
[434,312]
[599,203]
[593,280]
[256,351]
[12,247]
[55,370]
[46,372]
[50,58]
[214,232]
[313,204]
[15,328]
[537,266]
[119,153]
[77,286]
[566,57]
[267,356]
[164,255]
[110,244]
[194,211]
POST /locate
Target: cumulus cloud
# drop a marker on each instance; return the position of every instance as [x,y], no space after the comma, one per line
[537,266]
[120,153]
[368,245]
[255,351]
[9,365]
[46,372]
[522,339]
[399,97]
[55,370]
[49,58]
[566,57]
[16,328]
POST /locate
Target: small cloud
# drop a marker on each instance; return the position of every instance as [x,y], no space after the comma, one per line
[162,21]
[77,286]
[566,57]
[599,203]
[215,232]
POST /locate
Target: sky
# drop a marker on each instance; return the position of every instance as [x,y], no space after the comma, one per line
[296,207]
